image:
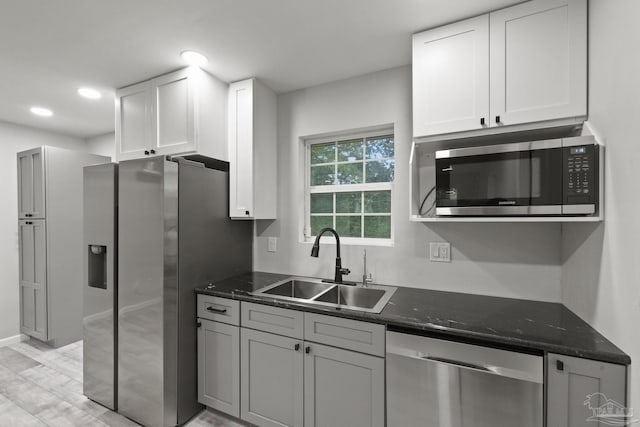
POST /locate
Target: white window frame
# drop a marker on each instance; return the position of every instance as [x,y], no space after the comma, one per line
[374,186]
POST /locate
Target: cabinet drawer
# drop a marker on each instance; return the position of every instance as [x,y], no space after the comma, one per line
[276,320]
[345,333]
[219,309]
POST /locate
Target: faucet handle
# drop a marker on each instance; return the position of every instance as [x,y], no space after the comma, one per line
[345,271]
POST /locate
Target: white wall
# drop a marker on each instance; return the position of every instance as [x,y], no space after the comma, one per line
[103,145]
[14,138]
[601,272]
[511,260]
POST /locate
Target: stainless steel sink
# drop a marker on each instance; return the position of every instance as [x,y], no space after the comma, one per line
[352,296]
[371,299]
[297,289]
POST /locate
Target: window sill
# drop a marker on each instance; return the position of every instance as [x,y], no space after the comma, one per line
[351,241]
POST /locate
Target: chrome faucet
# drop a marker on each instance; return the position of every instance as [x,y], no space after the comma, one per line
[315,250]
[366,279]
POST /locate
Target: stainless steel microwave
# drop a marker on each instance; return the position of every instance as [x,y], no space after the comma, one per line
[549,177]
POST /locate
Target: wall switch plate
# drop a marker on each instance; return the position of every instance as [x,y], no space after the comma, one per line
[273,244]
[440,251]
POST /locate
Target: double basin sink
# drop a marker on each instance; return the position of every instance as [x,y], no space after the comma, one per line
[371,298]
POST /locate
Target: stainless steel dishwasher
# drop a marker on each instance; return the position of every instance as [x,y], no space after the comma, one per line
[439,383]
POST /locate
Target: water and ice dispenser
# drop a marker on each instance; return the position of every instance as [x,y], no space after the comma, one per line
[97,263]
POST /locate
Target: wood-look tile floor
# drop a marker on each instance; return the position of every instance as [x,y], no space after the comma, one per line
[42,386]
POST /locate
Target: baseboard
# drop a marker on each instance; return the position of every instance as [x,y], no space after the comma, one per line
[13,340]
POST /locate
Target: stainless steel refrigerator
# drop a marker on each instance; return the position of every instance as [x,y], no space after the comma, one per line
[174,234]
[99,322]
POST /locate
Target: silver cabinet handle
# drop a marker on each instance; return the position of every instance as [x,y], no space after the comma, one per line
[217,310]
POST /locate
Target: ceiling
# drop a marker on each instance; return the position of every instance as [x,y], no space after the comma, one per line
[50,48]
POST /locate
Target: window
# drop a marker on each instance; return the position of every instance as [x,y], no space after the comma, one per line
[348,186]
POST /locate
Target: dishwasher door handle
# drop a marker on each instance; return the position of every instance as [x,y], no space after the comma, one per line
[459,364]
[518,374]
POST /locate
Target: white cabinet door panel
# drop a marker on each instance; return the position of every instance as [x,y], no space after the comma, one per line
[576,387]
[241,149]
[538,61]
[451,77]
[271,379]
[173,114]
[343,388]
[32,276]
[219,366]
[31,202]
[133,121]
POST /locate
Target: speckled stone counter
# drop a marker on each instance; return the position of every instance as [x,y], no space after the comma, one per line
[523,325]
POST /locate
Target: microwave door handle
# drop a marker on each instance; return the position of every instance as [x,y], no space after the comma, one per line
[447,169]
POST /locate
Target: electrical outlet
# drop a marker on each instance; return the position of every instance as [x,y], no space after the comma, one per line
[440,251]
[273,244]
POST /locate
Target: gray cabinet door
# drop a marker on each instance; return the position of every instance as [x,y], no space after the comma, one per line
[272,379]
[343,388]
[578,388]
[31,184]
[33,280]
[219,366]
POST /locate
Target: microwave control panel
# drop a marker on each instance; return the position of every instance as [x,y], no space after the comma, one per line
[580,174]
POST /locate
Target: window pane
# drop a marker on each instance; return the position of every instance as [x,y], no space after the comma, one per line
[377,202]
[320,222]
[350,150]
[322,175]
[349,202]
[380,171]
[380,147]
[323,153]
[377,227]
[350,173]
[322,203]
[348,226]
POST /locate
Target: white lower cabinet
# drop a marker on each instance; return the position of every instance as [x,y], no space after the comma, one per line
[33,278]
[584,392]
[219,366]
[272,379]
[277,369]
[342,388]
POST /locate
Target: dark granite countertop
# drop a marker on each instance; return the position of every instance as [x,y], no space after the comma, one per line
[523,325]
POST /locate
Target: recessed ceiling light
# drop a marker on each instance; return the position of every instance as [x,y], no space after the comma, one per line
[43,112]
[194,58]
[87,92]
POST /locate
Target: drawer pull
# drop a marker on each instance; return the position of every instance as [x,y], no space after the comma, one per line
[217,310]
[296,347]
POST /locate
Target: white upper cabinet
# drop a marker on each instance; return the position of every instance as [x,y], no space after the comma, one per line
[451,77]
[538,61]
[133,121]
[174,95]
[183,112]
[252,151]
[31,184]
[523,65]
